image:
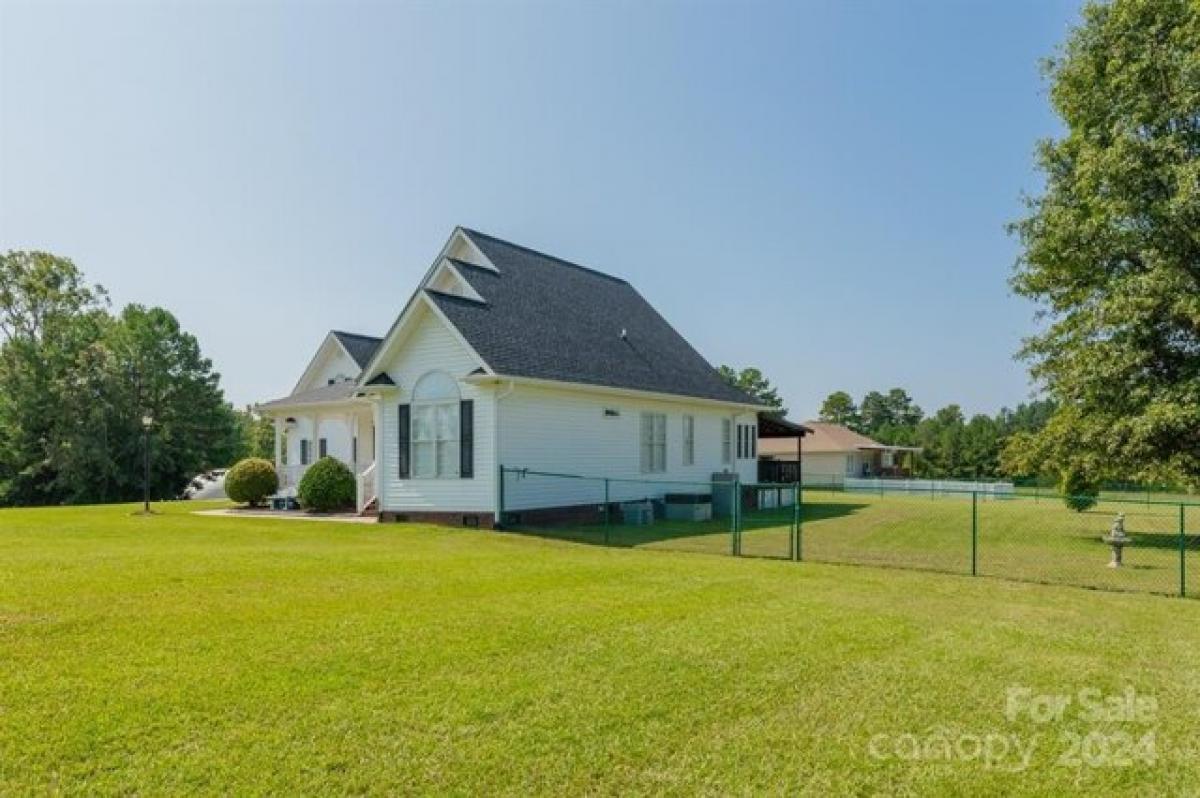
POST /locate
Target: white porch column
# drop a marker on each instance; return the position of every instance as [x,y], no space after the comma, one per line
[278,444]
[377,446]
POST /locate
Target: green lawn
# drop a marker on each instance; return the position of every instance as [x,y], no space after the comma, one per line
[1028,539]
[150,655]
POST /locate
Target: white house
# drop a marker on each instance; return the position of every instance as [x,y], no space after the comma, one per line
[507,356]
[832,452]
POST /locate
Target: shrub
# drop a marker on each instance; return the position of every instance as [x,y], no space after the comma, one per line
[327,485]
[1078,491]
[251,480]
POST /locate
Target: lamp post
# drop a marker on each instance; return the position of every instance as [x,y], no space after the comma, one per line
[147,422]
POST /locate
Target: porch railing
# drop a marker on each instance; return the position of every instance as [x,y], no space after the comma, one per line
[366,487]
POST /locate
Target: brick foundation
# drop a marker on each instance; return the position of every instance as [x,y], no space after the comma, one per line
[565,514]
[461,518]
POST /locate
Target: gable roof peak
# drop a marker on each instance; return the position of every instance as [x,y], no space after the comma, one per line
[537,253]
[360,347]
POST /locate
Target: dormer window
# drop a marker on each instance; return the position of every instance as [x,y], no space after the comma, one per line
[448,279]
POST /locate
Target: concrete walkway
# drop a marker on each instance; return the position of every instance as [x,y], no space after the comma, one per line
[291,515]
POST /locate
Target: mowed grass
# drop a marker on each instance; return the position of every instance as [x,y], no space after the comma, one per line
[1028,539]
[182,653]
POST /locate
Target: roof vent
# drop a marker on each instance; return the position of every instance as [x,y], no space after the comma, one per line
[624,335]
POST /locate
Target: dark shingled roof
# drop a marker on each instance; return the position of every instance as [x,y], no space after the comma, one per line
[337,392]
[361,347]
[546,318]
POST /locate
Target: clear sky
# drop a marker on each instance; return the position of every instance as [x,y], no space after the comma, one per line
[816,188]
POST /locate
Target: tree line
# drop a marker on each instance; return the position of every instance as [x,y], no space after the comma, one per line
[953,446]
[82,389]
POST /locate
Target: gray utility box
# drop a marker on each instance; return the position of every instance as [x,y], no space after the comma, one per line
[688,506]
[723,491]
[637,513]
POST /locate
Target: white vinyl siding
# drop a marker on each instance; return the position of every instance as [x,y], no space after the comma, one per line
[689,440]
[654,443]
[432,346]
[566,431]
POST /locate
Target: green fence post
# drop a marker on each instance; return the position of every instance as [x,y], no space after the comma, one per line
[796,533]
[499,522]
[607,513]
[736,513]
[1182,551]
[974,533]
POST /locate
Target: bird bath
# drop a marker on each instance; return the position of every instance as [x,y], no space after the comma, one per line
[1117,539]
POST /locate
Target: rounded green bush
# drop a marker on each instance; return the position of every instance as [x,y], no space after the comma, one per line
[251,480]
[1078,491]
[327,485]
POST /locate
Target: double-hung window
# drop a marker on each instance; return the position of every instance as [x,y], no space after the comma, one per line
[689,440]
[726,440]
[435,427]
[747,442]
[654,443]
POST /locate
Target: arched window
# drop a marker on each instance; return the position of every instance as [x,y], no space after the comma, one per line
[435,426]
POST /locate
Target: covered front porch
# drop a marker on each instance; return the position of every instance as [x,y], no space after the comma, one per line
[333,421]
[774,428]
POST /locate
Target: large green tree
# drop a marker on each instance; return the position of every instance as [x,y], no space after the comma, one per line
[49,317]
[753,382]
[1111,247]
[879,411]
[76,382]
[839,408]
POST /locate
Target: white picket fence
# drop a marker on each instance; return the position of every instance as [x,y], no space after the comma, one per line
[930,487]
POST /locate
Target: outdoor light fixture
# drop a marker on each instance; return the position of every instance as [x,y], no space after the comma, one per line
[147,422]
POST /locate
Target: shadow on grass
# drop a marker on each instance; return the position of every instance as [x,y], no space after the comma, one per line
[1159,540]
[715,536]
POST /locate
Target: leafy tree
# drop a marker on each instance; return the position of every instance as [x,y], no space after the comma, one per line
[75,383]
[257,434]
[893,410]
[49,318]
[752,381]
[1111,251]
[874,412]
[903,411]
[839,408]
[1027,417]
[1078,491]
[941,436]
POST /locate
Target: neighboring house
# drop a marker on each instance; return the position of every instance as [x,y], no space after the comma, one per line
[831,452]
[507,356]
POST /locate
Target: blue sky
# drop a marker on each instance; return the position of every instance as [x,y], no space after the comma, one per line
[819,189]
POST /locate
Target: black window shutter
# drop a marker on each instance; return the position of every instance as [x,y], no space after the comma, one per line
[741,452]
[466,439]
[404,419]
[324,447]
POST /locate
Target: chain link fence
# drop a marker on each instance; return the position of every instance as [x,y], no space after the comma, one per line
[1129,544]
